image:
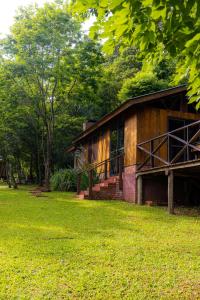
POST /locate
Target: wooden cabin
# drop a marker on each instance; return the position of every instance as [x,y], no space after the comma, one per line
[145,151]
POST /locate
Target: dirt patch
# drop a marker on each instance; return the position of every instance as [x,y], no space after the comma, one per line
[188,211]
[38,192]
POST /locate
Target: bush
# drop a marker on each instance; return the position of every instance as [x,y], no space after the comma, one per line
[65,180]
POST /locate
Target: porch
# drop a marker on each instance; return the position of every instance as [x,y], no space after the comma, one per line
[170,165]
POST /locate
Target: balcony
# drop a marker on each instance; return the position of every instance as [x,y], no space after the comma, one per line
[179,147]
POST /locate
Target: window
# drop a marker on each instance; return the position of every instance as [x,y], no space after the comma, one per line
[117,137]
[93,149]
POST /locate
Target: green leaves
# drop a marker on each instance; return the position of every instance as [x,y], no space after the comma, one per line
[48,78]
[147,24]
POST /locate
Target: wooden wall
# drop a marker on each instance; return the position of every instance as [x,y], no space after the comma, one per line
[104,145]
[130,139]
[140,124]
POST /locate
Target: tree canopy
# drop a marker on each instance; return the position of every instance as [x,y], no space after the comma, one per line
[49,72]
[155,27]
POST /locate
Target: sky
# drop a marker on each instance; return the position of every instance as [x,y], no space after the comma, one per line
[8,9]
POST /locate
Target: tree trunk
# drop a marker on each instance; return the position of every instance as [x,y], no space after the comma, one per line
[12,181]
[8,179]
[48,160]
[31,169]
[19,172]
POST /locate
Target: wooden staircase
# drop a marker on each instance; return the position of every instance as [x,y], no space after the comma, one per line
[107,189]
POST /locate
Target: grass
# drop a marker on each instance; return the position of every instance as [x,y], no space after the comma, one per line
[59,247]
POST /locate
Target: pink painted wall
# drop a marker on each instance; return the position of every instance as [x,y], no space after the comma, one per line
[129,184]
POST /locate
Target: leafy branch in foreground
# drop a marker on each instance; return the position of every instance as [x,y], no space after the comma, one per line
[155,27]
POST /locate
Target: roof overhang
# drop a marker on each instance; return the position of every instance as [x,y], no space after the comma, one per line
[129,103]
[70,149]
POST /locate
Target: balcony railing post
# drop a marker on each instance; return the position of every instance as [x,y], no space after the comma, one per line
[187,149]
[106,170]
[78,183]
[90,176]
[151,153]
[168,149]
[120,172]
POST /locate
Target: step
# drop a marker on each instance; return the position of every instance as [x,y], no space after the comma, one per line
[103,184]
[106,189]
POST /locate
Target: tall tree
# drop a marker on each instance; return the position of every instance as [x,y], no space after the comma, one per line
[49,61]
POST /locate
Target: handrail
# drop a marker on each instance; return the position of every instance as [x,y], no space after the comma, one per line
[118,158]
[187,145]
[96,165]
[169,132]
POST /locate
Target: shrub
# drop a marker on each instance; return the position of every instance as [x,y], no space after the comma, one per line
[65,180]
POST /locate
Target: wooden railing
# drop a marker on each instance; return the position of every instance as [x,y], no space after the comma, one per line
[179,145]
[103,170]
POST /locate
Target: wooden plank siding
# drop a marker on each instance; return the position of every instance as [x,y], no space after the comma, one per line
[140,124]
[130,139]
[103,148]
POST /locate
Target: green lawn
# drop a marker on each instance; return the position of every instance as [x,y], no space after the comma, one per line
[59,247]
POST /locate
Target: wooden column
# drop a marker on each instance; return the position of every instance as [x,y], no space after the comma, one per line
[106,170]
[139,190]
[78,184]
[151,150]
[90,175]
[120,173]
[171,192]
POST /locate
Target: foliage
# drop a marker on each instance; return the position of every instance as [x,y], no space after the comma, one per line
[64,180]
[69,249]
[155,27]
[49,72]
[116,69]
[142,83]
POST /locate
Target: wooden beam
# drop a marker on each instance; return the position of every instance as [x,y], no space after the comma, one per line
[171,192]
[177,166]
[139,190]
[120,160]
[78,184]
[90,175]
[153,152]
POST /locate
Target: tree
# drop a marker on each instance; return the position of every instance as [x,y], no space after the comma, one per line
[141,84]
[116,68]
[155,27]
[49,61]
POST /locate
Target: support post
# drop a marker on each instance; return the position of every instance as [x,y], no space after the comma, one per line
[90,184]
[78,184]
[120,173]
[106,170]
[151,151]
[171,192]
[139,190]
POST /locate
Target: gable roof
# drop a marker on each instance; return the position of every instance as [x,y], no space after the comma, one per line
[129,103]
